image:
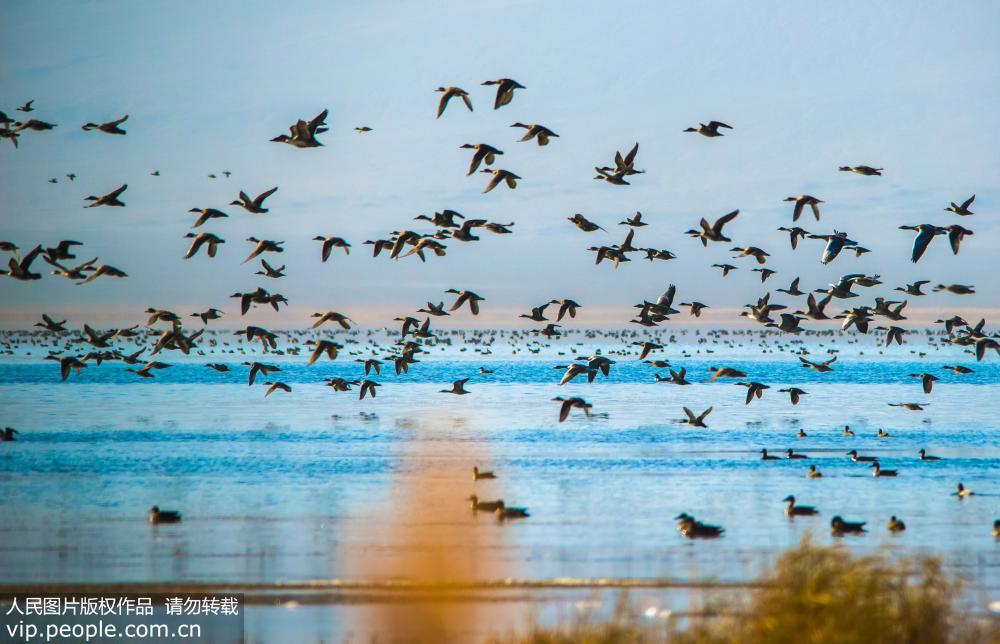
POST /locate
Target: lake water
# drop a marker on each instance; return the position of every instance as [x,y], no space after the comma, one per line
[302,486]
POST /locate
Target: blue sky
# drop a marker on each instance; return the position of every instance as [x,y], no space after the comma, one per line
[908,86]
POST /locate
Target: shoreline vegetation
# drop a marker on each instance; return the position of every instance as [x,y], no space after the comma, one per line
[815,593]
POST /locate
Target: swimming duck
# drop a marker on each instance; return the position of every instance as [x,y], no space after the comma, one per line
[881,433]
[801,433]
[996,528]
[813,473]
[696,421]
[538,132]
[860,459]
[895,525]
[840,527]
[571,403]
[7,434]
[878,472]
[505,91]
[156,515]
[483,506]
[478,475]
[446,95]
[256,205]
[504,512]
[767,457]
[791,455]
[710,130]
[691,528]
[847,431]
[110,199]
[925,457]
[865,170]
[962,492]
[111,127]
[793,510]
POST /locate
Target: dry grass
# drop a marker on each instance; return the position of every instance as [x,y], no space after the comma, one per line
[816,594]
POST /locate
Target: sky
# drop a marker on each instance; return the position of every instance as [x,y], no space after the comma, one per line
[912,87]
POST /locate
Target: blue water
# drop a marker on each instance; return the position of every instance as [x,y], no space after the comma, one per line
[302,486]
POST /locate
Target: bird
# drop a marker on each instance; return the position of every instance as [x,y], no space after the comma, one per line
[505,91]
[156,515]
[925,234]
[725,268]
[963,209]
[568,403]
[499,175]
[457,388]
[860,459]
[302,134]
[259,368]
[367,387]
[110,199]
[956,234]
[713,232]
[925,457]
[754,390]
[204,214]
[363,129]
[914,288]
[584,224]
[332,316]
[751,251]
[834,244]
[275,386]
[111,127]
[466,296]
[691,528]
[819,367]
[201,239]
[256,205]
[840,527]
[878,472]
[795,234]
[504,512]
[962,492]
[895,525]
[865,170]
[793,289]
[446,95]
[710,130]
[794,393]
[102,271]
[7,435]
[695,421]
[764,456]
[813,473]
[793,510]
[540,133]
[485,153]
[482,506]
[27,107]
[911,406]
[957,289]
[927,380]
[792,456]
[801,201]
[479,475]
[263,246]
[321,347]
[270,271]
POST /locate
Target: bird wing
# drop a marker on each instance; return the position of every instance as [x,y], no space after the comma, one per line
[259,201]
[723,220]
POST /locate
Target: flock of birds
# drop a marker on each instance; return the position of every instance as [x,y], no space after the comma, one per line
[416,335]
